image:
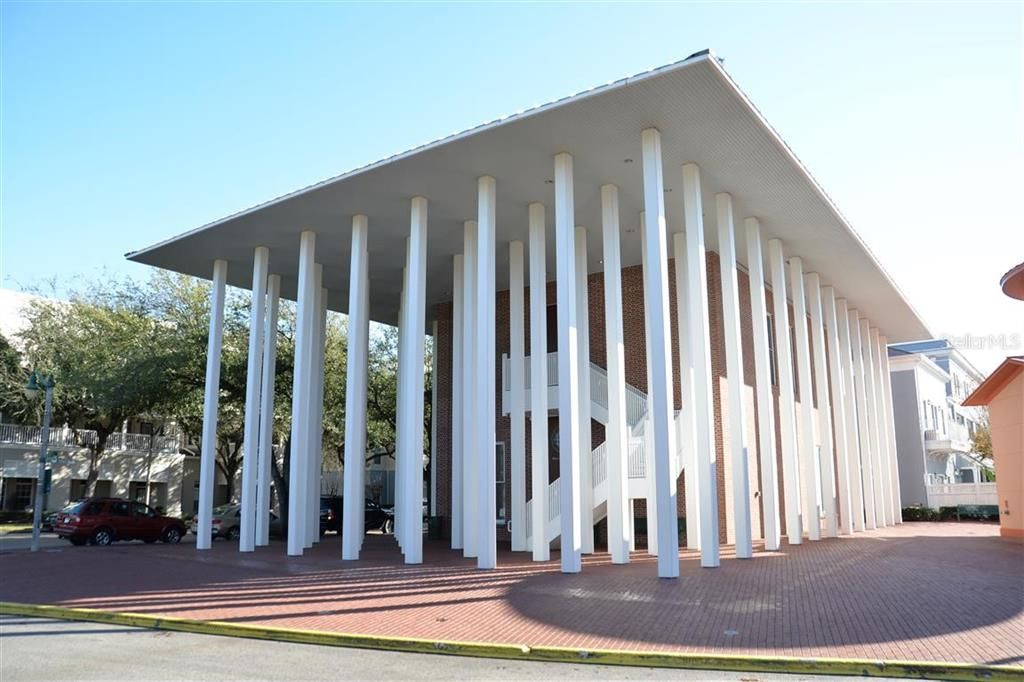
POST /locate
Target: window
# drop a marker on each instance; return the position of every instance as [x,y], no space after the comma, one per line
[772,367]
[22,494]
[499,478]
[142,510]
[120,508]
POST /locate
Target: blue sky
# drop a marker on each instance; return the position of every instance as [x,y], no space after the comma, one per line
[123,124]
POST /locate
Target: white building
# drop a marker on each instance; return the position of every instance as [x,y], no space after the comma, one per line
[645,243]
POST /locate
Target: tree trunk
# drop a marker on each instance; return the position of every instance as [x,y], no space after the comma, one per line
[281,480]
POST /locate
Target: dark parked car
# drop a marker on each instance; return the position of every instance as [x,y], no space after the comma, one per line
[102,520]
[332,510]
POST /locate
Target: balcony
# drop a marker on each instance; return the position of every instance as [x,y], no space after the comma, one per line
[954,440]
[71,439]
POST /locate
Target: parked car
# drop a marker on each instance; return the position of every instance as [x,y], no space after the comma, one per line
[227,523]
[332,510]
[102,520]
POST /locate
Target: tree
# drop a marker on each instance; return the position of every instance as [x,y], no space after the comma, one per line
[14,406]
[109,355]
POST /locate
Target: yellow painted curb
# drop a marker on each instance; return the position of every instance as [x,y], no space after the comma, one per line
[933,670]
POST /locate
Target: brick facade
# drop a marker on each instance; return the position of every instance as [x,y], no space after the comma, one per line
[636,375]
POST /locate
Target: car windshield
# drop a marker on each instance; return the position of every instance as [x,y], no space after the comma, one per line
[223,509]
[74,508]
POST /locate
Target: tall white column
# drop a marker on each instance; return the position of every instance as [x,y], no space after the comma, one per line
[539,544]
[297,479]
[356,374]
[894,477]
[863,422]
[853,445]
[700,340]
[617,431]
[364,351]
[267,391]
[687,422]
[583,338]
[734,368]
[458,404]
[517,413]
[807,445]
[211,400]
[871,395]
[472,412]
[568,366]
[660,400]
[837,379]
[763,374]
[411,388]
[787,399]
[648,429]
[826,480]
[316,428]
[487,551]
[883,485]
[253,376]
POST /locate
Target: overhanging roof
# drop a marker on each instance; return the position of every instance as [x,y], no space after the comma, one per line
[703,117]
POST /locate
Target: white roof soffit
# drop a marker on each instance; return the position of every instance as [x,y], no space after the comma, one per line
[703,117]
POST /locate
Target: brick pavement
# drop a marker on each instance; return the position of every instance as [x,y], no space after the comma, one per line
[945,592]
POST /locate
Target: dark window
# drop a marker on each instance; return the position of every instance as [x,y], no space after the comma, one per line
[552,328]
[142,510]
[499,477]
[120,508]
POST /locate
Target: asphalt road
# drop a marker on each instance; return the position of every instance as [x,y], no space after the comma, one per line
[45,650]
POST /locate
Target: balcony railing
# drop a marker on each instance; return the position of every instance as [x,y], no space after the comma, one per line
[64,437]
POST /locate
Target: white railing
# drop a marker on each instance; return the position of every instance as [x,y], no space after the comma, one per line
[955,494]
[64,437]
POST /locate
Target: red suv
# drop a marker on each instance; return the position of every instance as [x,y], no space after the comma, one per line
[102,520]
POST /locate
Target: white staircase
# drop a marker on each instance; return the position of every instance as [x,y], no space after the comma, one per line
[636,417]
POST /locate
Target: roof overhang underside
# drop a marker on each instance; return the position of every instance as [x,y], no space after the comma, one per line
[703,117]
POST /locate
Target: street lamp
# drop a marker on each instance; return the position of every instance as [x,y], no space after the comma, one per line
[35,384]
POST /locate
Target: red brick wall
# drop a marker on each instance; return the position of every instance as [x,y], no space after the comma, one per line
[636,374]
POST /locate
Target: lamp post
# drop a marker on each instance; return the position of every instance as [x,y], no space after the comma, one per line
[32,390]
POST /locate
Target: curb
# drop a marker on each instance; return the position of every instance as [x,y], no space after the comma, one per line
[933,670]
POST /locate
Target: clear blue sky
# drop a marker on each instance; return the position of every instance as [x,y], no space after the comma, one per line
[124,123]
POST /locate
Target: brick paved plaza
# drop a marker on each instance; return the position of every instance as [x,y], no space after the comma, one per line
[920,591]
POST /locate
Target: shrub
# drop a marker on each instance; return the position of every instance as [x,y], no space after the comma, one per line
[919,512]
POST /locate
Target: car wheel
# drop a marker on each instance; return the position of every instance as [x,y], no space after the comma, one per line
[77,542]
[389,527]
[172,536]
[102,537]
[233,533]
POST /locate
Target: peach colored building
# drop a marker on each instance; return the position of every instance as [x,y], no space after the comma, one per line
[1003,393]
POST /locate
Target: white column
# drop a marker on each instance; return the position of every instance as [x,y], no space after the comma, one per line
[825,460]
[583,338]
[297,478]
[253,376]
[356,374]
[763,379]
[267,391]
[364,351]
[837,379]
[517,415]
[687,421]
[568,366]
[660,400]
[411,388]
[853,446]
[807,446]
[617,430]
[871,395]
[487,550]
[458,404]
[890,431]
[316,429]
[696,270]
[648,444]
[863,422]
[539,544]
[737,451]
[471,410]
[883,485]
[211,400]
[787,399]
